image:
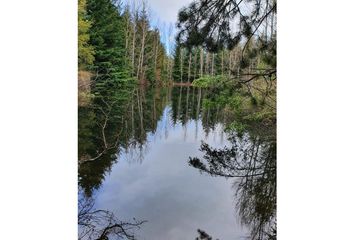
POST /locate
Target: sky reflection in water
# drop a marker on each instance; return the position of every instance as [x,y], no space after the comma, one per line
[157,184]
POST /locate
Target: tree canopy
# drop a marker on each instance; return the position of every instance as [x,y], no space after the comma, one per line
[85,50]
[220,24]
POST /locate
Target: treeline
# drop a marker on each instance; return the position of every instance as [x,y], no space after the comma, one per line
[191,63]
[245,30]
[145,54]
[116,124]
[138,112]
[117,44]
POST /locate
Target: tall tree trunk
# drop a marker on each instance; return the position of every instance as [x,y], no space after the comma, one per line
[189,66]
[222,62]
[181,62]
[179,102]
[133,41]
[127,35]
[186,115]
[156,54]
[201,62]
[142,53]
[133,52]
[212,64]
[140,110]
[272,25]
[266,22]
[192,104]
[197,112]
[230,60]
[207,70]
[169,69]
[195,65]
[132,116]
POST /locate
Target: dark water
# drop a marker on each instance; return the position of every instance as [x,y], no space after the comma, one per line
[134,152]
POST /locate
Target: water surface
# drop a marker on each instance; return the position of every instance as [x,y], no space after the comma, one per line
[157,184]
[147,175]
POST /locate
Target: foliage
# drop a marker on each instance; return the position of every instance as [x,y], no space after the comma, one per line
[208,81]
[106,35]
[85,50]
[177,74]
[84,88]
[146,55]
[237,127]
[251,161]
[242,58]
[116,119]
[208,23]
[120,48]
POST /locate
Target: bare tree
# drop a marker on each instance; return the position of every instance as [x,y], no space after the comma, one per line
[212,64]
[222,62]
[201,62]
[219,24]
[195,65]
[102,224]
[189,65]
[106,146]
[134,22]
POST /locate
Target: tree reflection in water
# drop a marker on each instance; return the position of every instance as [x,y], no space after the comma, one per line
[97,224]
[118,121]
[203,235]
[123,121]
[252,161]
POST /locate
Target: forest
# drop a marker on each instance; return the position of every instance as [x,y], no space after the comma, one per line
[234,45]
[215,67]
[117,46]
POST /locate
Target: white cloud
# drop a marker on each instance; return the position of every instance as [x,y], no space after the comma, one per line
[164,12]
[167,10]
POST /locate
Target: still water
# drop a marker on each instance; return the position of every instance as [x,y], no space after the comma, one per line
[157,184]
[134,152]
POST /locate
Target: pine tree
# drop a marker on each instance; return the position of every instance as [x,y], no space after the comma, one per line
[176,74]
[107,36]
[208,23]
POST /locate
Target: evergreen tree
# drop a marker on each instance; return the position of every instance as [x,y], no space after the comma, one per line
[124,43]
[209,23]
[107,36]
[177,63]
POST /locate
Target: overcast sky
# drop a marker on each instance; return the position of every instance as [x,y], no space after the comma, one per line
[167,9]
[164,12]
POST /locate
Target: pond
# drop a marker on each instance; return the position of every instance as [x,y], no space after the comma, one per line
[139,157]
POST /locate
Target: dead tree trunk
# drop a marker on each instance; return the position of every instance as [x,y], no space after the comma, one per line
[222,63]
[230,61]
[133,42]
[155,53]
[181,62]
[142,51]
[189,66]
[195,65]
[201,62]
[207,70]
[212,64]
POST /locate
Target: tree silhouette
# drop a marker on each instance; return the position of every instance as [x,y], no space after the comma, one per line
[97,224]
[220,24]
[252,162]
